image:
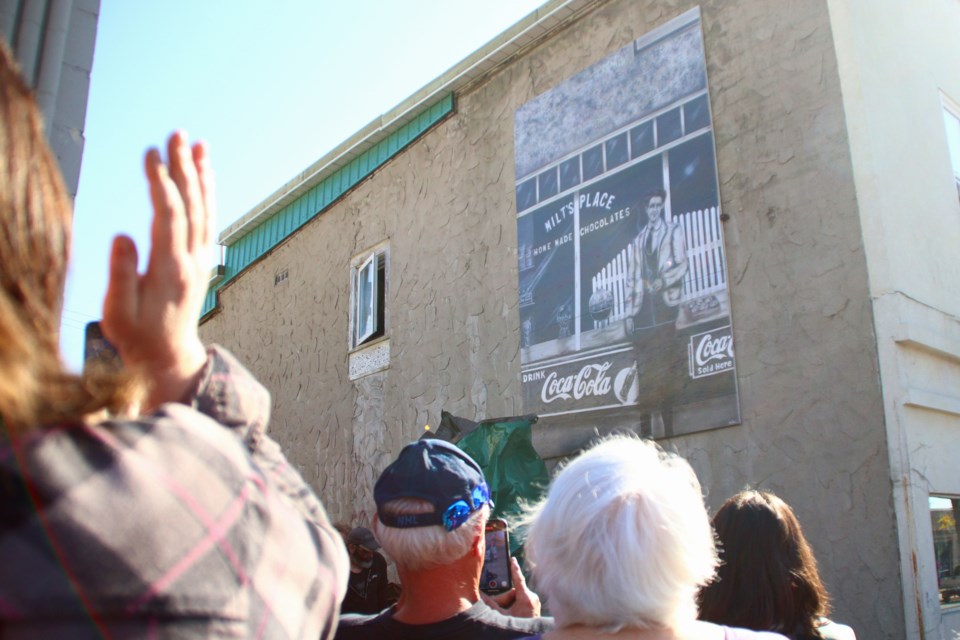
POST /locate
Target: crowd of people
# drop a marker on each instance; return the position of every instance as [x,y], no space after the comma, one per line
[151,503]
[621,547]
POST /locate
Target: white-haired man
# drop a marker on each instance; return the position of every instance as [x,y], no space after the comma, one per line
[432,507]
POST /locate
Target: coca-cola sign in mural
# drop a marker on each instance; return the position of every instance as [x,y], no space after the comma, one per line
[589,384]
[623,290]
[711,352]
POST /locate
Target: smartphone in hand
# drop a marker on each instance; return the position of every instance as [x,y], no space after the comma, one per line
[495,577]
[98,353]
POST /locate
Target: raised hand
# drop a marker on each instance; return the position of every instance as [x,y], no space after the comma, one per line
[151,318]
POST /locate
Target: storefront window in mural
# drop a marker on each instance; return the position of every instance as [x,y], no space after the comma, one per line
[622,274]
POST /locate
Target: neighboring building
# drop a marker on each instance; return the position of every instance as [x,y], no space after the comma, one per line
[471,249]
[53,41]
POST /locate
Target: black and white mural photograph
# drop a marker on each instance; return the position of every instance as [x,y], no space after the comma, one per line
[623,293]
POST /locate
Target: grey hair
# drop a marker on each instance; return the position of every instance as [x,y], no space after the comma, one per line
[622,539]
[418,548]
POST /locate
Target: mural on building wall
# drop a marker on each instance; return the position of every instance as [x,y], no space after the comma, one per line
[623,287]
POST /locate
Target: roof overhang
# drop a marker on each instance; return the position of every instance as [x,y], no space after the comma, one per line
[474,68]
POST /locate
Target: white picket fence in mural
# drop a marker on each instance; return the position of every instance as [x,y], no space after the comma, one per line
[706,273]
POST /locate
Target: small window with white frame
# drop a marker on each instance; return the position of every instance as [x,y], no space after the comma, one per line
[944,516]
[368,296]
[951,119]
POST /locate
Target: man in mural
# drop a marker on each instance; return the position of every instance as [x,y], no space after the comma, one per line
[653,288]
[432,508]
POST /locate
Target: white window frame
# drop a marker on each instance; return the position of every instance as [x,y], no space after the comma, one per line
[365,285]
[951,122]
[365,298]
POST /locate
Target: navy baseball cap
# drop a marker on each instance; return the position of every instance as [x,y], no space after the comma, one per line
[363,537]
[438,472]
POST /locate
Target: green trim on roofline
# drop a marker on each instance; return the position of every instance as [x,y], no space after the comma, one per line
[287,219]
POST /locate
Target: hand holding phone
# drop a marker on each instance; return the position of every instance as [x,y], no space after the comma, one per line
[518,602]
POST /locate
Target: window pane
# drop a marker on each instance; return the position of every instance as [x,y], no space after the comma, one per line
[593,162]
[953,139]
[616,151]
[944,513]
[526,194]
[570,173]
[668,127]
[366,311]
[641,139]
[696,114]
[548,183]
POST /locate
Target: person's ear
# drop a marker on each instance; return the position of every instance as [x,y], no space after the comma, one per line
[479,547]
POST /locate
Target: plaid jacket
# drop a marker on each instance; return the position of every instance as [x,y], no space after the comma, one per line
[182,524]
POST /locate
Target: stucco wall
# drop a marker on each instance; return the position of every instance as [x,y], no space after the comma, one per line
[813,427]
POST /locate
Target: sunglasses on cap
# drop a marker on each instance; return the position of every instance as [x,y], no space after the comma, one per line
[459,512]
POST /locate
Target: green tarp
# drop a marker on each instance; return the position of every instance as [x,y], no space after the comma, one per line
[503,447]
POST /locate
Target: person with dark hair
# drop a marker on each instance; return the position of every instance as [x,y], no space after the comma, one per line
[184,521]
[653,287]
[768,578]
[367,584]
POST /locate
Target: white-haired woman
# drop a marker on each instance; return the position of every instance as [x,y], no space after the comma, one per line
[621,545]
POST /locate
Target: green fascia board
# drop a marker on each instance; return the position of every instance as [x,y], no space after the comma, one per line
[286,220]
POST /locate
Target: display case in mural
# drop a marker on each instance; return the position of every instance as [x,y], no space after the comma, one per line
[623,292]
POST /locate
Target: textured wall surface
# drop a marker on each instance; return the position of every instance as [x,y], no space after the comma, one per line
[813,428]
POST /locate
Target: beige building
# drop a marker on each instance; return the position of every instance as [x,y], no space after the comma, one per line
[53,41]
[385,282]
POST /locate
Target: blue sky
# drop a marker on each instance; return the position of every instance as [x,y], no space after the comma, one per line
[272,86]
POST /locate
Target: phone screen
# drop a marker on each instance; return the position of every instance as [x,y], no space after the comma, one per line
[98,352]
[495,576]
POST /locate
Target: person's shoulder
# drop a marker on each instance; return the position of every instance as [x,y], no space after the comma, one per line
[482,615]
[479,622]
[355,625]
[356,619]
[739,633]
[831,630]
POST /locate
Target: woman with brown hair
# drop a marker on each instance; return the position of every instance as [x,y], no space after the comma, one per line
[185,521]
[768,578]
